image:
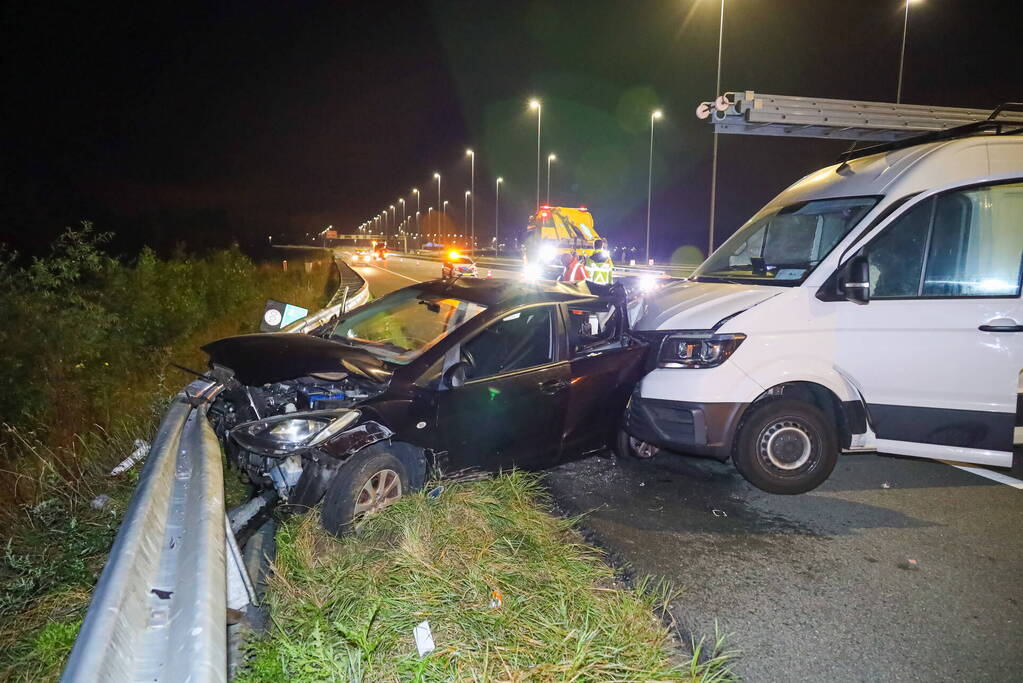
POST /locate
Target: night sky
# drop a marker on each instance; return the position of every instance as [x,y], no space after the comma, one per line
[215,122]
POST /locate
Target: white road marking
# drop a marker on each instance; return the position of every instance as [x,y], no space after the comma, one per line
[398,274]
[988,474]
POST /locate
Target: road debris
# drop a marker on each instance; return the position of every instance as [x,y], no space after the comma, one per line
[101,502]
[719,513]
[496,600]
[137,455]
[424,638]
[886,485]
[909,564]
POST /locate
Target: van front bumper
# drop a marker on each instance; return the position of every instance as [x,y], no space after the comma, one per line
[705,429]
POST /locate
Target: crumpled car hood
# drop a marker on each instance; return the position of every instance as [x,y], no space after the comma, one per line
[265,358]
[699,305]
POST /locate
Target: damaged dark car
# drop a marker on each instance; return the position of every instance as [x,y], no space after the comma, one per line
[463,374]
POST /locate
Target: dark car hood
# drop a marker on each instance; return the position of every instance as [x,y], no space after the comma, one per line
[265,358]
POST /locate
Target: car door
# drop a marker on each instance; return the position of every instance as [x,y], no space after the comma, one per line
[605,364]
[937,351]
[511,408]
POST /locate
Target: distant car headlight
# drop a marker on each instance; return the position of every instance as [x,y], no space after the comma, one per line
[697,349]
[287,433]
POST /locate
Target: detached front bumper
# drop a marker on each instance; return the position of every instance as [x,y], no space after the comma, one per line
[705,429]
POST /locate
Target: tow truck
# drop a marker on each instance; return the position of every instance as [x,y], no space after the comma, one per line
[553,231]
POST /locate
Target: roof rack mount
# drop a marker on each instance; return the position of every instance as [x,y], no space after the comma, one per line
[752,113]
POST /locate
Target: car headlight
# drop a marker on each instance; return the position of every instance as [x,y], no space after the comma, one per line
[531,272]
[548,252]
[697,349]
[294,431]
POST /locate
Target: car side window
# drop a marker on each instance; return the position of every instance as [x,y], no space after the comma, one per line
[965,243]
[523,339]
[593,326]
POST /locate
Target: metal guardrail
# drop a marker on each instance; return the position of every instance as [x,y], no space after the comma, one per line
[353,292]
[159,610]
[146,622]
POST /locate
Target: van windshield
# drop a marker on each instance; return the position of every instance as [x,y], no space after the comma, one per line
[782,245]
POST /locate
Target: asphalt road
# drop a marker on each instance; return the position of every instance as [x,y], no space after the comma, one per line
[895,570]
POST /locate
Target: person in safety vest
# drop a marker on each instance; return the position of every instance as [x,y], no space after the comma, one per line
[599,266]
[575,270]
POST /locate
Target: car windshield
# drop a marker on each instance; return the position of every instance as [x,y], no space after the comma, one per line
[399,327]
[782,245]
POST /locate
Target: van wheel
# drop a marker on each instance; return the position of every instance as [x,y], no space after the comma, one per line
[786,446]
[371,481]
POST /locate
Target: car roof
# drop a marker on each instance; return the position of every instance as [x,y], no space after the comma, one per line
[493,292]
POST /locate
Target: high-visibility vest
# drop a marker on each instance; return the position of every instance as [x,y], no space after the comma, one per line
[600,273]
[574,272]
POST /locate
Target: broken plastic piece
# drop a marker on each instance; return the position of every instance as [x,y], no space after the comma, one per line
[719,513]
[137,455]
[495,599]
[435,492]
[424,638]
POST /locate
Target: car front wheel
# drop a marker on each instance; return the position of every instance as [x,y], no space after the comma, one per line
[786,446]
[371,481]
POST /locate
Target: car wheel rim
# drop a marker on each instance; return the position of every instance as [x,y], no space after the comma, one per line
[786,445]
[379,491]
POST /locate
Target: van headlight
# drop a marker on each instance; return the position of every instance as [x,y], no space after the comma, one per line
[697,349]
[293,431]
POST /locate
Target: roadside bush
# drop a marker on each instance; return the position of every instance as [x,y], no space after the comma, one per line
[86,340]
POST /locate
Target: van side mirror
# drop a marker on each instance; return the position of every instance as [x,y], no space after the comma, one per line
[854,284]
[454,376]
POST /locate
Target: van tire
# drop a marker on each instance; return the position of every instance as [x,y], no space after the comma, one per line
[785,446]
[369,470]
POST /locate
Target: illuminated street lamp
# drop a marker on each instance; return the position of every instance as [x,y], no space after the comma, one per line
[535,104]
[437,176]
[902,53]
[497,205]
[650,179]
[472,188]
[550,157]
[415,191]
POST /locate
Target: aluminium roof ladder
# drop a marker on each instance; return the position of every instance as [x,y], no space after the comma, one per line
[754,113]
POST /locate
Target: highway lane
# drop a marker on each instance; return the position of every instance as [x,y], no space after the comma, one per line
[895,569]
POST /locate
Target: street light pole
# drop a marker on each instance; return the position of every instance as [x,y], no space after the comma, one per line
[650,180]
[714,155]
[902,53]
[444,213]
[550,157]
[535,104]
[437,176]
[472,190]
[497,207]
[465,207]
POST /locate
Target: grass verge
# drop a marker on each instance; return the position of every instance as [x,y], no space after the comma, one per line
[344,610]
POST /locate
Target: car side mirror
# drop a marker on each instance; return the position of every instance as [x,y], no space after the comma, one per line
[854,283]
[455,375]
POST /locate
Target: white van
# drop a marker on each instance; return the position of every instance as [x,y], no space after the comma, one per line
[872,306]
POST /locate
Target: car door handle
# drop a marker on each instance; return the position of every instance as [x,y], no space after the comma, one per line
[552,386]
[1001,325]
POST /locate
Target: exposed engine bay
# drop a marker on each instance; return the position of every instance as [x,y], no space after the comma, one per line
[270,431]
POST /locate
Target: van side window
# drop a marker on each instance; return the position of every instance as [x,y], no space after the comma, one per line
[965,243]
